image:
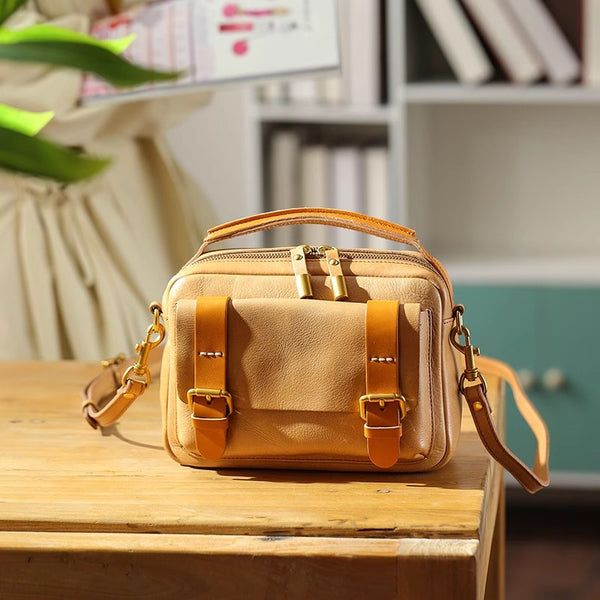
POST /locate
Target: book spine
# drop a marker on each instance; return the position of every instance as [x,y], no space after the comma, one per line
[284,179]
[274,92]
[590,42]
[314,191]
[547,39]
[347,190]
[515,55]
[376,185]
[303,91]
[457,39]
[364,61]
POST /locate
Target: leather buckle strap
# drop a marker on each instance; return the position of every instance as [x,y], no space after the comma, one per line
[122,380]
[532,479]
[210,404]
[382,407]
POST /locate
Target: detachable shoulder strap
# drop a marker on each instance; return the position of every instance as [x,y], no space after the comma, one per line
[534,479]
[107,397]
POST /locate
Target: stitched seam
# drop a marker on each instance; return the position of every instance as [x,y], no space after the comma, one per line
[430,378]
[364,461]
[387,233]
[314,216]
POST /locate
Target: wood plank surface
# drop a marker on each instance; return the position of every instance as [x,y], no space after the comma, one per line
[78,510]
[58,474]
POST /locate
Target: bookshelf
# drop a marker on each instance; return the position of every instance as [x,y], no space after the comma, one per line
[417,124]
[501,183]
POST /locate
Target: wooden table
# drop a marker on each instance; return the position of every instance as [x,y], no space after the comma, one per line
[80,512]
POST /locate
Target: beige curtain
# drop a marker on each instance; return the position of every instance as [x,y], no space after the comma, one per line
[80,263]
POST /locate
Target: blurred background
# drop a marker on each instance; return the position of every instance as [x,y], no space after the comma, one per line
[476,123]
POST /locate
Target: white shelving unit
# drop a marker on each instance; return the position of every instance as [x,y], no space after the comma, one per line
[501,182]
[497,94]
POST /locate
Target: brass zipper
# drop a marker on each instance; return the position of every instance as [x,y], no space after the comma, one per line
[282,253]
[301,271]
[313,253]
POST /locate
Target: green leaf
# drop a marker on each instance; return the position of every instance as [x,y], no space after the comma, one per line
[8,7]
[39,157]
[85,57]
[51,33]
[29,123]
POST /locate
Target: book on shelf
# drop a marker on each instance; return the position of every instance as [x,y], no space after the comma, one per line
[457,40]
[219,42]
[274,92]
[376,185]
[346,184]
[590,42]
[364,53]
[304,90]
[335,87]
[358,81]
[283,179]
[497,26]
[546,38]
[314,191]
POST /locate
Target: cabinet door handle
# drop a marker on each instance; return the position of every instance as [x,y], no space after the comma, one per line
[554,380]
[528,379]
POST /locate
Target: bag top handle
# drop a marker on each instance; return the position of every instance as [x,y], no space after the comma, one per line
[316,216]
[319,216]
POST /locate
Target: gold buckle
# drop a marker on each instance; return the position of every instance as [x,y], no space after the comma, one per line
[471,372]
[209,394]
[154,336]
[382,399]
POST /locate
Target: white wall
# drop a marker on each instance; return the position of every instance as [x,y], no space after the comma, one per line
[212,147]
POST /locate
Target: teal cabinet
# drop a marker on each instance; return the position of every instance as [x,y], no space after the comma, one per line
[539,329]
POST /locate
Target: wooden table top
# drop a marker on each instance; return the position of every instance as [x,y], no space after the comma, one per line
[59,475]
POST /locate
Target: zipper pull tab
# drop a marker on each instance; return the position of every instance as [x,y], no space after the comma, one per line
[301,271]
[338,283]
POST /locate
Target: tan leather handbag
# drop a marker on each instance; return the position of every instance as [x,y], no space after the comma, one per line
[315,358]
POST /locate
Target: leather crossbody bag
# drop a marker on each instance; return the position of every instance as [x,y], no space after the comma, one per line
[314,358]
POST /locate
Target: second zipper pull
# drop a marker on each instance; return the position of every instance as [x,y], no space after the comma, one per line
[338,283]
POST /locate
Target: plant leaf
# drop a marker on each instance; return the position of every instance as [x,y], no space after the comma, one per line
[85,57]
[24,121]
[39,157]
[8,7]
[51,33]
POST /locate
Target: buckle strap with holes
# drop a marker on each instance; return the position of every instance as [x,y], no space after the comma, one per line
[473,386]
[382,407]
[210,404]
[111,393]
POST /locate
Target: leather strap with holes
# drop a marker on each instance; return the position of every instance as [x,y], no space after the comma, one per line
[532,479]
[383,415]
[208,400]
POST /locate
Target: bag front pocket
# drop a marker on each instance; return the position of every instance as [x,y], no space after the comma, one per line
[296,370]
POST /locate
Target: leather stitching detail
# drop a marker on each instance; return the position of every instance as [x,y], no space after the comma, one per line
[430,377]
